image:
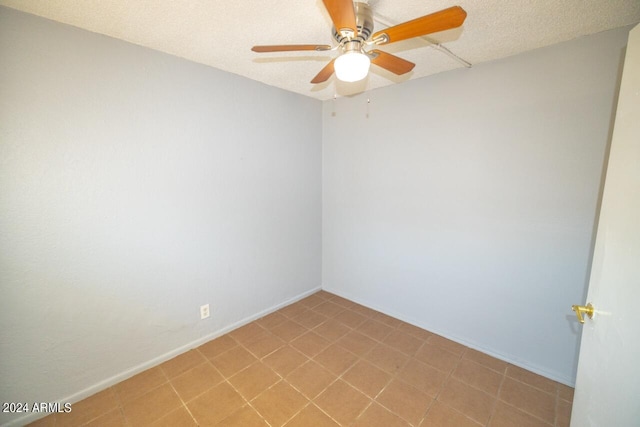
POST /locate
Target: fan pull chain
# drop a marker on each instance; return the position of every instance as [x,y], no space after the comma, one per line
[333,105]
[368,103]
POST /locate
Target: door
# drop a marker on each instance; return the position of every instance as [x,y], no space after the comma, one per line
[608,381]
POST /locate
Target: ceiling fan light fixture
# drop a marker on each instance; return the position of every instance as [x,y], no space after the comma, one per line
[352,66]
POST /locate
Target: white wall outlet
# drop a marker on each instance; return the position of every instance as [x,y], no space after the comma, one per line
[204,311]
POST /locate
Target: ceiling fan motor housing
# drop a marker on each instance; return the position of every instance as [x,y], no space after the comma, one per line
[364,22]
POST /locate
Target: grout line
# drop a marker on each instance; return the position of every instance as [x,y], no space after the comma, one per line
[124,417]
[295,414]
[495,402]
[528,413]
[120,406]
[446,380]
[552,394]
[184,404]
[256,409]
[325,412]
[371,402]
[555,407]
[433,401]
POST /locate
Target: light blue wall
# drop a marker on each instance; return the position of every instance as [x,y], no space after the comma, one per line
[135,187]
[465,202]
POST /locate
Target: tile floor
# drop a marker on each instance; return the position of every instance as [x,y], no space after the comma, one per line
[326,361]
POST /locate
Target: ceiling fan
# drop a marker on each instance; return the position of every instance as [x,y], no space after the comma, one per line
[353,28]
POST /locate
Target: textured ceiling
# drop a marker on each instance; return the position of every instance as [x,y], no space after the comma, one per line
[221,33]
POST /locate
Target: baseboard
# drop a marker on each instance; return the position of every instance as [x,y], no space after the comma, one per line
[491,352]
[102,385]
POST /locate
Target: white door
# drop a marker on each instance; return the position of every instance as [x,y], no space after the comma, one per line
[608,382]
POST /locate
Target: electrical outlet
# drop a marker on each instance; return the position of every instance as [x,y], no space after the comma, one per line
[204,311]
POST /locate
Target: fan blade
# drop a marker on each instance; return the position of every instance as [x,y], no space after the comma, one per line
[444,20]
[290,47]
[324,74]
[342,14]
[391,63]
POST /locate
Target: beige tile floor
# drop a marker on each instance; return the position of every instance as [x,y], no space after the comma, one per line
[326,361]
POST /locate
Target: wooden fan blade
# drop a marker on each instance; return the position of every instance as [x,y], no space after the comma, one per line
[290,47]
[324,74]
[342,14]
[444,20]
[390,62]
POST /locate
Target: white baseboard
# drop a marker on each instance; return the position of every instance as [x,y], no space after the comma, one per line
[102,385]
[506,358]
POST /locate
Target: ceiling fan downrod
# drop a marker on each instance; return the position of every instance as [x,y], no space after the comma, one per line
[364,24]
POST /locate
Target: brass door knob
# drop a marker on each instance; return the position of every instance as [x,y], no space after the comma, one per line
[580,309]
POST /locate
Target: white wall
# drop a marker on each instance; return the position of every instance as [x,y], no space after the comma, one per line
[134,187]
[465,202]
